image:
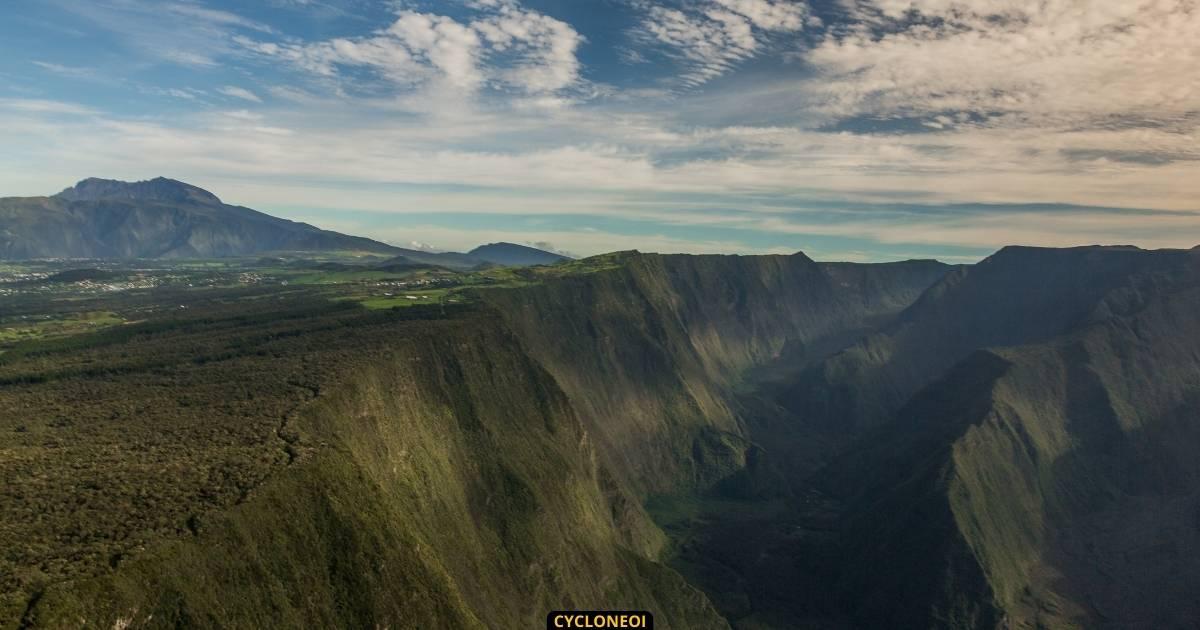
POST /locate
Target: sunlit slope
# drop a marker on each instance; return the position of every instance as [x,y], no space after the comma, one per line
[432,476]
[650,352]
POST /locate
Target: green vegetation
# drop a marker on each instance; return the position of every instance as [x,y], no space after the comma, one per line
[70,324]
[658,344]
[294,441]
[62,298]
[415,441]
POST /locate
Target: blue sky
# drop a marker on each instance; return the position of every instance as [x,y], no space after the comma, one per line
[850,129]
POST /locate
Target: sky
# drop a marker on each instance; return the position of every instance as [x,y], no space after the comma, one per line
[865,130]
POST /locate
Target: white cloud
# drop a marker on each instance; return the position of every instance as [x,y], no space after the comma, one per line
[197,13]
[778,15]
[596,152]
[451,48]
[506,47]
[712,37]
[41,106]
[69,71]
[1055,62]
[545,48]
[240,93]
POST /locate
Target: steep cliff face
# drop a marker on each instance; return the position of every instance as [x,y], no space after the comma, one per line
[441,480]
[1049,483]
[1080,492]
[650,353]
[1019,295]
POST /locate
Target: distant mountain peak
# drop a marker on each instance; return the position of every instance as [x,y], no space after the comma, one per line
[157,218]
[515,255]
[157,189]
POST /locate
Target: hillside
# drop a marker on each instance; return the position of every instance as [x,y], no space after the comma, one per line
[1019,295]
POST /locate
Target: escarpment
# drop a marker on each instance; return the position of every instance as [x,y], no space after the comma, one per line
[446,483]
[650,352]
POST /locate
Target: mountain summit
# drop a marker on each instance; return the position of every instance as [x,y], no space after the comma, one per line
[158,189]
[159,218]
[513,255]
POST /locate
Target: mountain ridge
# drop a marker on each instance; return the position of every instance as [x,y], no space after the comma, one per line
[166,218]
[157,189]
[1005,445]
[158,218]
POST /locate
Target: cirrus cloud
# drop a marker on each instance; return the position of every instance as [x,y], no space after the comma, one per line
[712,37]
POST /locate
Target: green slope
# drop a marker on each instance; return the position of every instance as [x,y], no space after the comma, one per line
[997,452]
[425,473]
[444,483]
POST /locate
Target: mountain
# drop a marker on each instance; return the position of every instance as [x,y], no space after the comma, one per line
[1017,449]
[164,218]
[513,255]
[449,260]
[160,189]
